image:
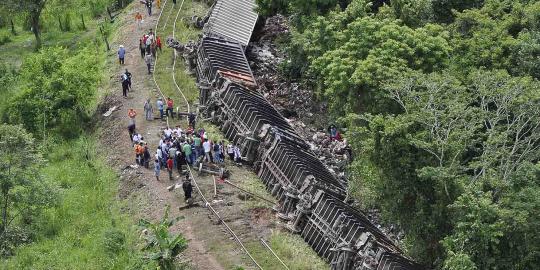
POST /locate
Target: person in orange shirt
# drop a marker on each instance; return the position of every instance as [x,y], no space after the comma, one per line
[132,113]
[138,19]
[158,2]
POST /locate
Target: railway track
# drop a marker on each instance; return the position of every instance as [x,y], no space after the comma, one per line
[188,107]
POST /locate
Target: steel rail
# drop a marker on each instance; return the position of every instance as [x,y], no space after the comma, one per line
[155,62]
[275,255]
[209,206]
[174,60]
[248,192]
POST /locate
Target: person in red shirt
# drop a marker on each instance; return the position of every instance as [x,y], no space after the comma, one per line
[158,43]
[170,164]
[170,107]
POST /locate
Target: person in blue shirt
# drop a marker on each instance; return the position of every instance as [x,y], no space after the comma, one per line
[121,54]
[160,107]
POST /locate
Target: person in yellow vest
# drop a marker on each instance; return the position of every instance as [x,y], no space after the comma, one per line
[158,2]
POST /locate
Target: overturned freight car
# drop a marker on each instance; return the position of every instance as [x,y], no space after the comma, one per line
[312,201]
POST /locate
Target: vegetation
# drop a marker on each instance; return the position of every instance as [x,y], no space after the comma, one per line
[164,246]
[59,208]
[442,104]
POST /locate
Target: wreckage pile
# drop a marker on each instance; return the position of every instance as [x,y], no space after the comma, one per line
[295,102]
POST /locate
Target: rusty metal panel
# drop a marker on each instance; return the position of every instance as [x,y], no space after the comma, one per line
[218,57]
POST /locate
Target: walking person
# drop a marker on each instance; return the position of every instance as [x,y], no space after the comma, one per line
[157,169]
[149,7]
[160,108]
[121,54]
[148,110]
[170,164]
[170,109]
[125,84]
[148,60]
[138,19]
[188,189]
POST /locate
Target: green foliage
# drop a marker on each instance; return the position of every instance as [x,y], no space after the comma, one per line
[56,90]
[87,229]
[163,247]
[442,106]
[23,194]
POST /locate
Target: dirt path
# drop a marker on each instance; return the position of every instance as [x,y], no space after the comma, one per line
[144,195]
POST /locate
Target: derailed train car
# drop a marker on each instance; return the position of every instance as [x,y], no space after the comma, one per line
[311,199]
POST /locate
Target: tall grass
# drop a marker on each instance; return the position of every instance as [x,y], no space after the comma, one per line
[87,230]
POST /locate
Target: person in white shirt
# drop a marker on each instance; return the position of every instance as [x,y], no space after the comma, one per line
[230,151]
[168,132]
[237,154]
[207,147]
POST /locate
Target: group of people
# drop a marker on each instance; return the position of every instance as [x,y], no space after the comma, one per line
[148,45]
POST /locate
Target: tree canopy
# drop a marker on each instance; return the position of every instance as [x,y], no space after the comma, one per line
[442,106]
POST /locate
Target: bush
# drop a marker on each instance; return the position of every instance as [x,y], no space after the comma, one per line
[114,241]
[5,38]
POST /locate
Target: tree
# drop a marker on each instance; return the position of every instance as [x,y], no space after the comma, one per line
[165,246]
[33,8]
[55,92]
[21,189]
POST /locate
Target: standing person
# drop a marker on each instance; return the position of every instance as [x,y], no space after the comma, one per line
[174,2]
[237,154]
[128,74]
[186,186]
[142,47]
[160,108]
[148,60]
[187,153]
[170,164]
[158,3]
[146,156]
[153,49]
[158,43]
[149,7]
[191,120]
[170,107]
[217,153]
[230,151]
[148,110]
[157,168]
[207,146]
[222,151]
[121,54]
[139,151]
[131,125]
[180,161]
[138,19]
[197,143]
[125,84]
